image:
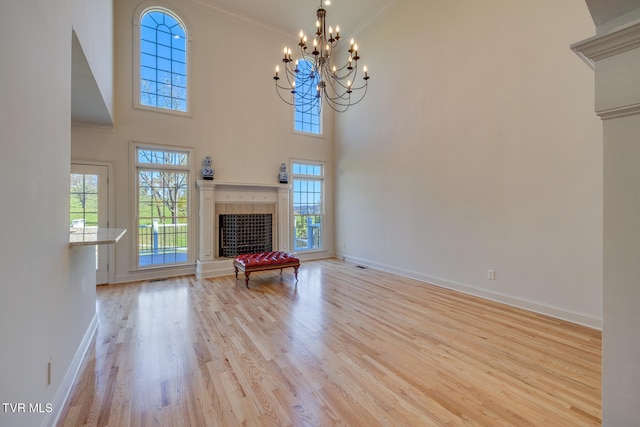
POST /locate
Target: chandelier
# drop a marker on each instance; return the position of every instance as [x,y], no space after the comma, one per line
[314,78]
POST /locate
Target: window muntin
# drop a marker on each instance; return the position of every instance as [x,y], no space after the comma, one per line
[162,206]
[306,113]
[162,157]
[84,200]
[308,209]
[163,61]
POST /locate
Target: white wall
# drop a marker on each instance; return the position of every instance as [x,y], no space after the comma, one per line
[237,117]
[47,302]
[477,148]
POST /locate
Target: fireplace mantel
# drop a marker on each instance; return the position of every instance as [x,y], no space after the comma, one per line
[212,192]
[218,184]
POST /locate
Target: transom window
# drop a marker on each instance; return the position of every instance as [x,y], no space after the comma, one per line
[308,209]
[163,61]
[306,115]
[162,206]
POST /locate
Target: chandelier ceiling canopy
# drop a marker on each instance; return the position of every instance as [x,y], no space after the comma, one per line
[314,78]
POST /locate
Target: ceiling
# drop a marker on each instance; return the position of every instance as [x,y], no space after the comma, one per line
[293,15]
[605,10]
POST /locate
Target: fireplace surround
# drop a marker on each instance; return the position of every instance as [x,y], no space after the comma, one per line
[220,198]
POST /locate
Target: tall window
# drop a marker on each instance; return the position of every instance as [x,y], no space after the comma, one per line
[88,208]
[307,118]
[307,205]
[163,61]
[162,182]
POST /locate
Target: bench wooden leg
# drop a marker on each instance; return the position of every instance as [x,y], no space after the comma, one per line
[246,277]
[295,271]
[236,268]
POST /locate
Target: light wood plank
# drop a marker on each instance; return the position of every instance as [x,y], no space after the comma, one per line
[345,346]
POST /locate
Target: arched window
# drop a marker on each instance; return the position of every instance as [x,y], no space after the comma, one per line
[162,69]
[307,112]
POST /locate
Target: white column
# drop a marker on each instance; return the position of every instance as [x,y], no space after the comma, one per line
[615,57]
[206,218]
[284,242]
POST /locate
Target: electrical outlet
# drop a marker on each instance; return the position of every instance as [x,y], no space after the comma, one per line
[491,275]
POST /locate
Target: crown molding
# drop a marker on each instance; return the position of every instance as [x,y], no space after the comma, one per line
[619,40]
[373,17]
[237,17]
[615,113]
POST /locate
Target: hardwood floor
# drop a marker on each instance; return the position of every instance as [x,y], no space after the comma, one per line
[346,346]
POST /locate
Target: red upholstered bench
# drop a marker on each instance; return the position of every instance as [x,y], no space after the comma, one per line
[265,261]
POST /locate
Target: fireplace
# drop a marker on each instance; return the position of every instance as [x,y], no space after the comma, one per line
[239,218]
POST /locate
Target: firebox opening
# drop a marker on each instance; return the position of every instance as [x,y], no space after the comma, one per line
[245,234]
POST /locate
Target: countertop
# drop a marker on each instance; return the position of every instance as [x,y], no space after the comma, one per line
[95,236]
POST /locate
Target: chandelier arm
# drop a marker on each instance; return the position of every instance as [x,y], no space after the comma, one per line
[354,88]
[339,80]
[340,108]
[286,101]
[315,105]
[347,98]
[345,67]
[338,86]
[308,106]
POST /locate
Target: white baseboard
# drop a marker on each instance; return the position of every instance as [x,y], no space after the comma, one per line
[526,304]
[214,268]
[70,377]
[156,273]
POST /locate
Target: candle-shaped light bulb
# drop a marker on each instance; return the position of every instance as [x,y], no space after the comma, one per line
[349,84]
[355,47]
[304,39]
[334,70]
[277,70]
[337,30]
[301,34]
[317,24]
[352,42]
[315,43]
[330,30]
[366,73]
